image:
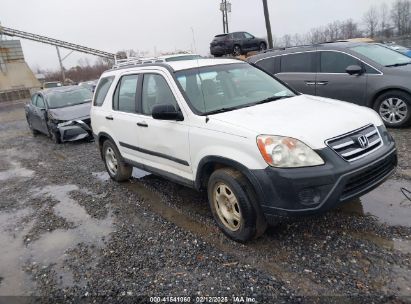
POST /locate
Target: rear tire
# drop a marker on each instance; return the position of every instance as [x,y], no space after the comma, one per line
[394,107]
[237,50]
[115,165]
[263,46]
[233,205]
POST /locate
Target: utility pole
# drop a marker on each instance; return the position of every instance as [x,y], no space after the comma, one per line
[268,24]
[225,8]
[63,75]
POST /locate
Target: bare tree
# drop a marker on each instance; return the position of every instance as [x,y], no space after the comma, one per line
[400,15]
[287,41]
[349,29]
[384,20]
[371,21]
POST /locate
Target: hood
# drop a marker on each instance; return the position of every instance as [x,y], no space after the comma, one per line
[70,113]
[307,118]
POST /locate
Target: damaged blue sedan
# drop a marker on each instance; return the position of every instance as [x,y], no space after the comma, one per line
[62,113]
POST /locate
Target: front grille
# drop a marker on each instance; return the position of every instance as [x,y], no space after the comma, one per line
[350,147]
[369,177]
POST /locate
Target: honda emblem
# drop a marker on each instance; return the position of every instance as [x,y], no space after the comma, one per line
[363,141]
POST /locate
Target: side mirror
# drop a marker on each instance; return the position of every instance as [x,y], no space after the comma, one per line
[354,70]
[166,112]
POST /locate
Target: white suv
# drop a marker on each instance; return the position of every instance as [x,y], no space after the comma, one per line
[262,150]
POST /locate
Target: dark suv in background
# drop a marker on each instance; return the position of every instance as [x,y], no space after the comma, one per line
[367,74]
[236,43]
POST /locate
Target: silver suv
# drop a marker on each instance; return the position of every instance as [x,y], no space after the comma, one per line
[363,73]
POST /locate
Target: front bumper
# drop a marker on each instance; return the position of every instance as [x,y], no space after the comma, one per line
[302,191]
[74,130]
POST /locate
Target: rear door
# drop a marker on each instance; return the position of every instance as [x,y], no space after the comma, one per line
[334,82]
[299,71]
[164,144]
[124,116]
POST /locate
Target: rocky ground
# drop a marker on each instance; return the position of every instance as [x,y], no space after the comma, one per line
[68,232]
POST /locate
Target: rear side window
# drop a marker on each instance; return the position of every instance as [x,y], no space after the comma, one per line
[335,62]
[102,89]
[125,94]
[298,63]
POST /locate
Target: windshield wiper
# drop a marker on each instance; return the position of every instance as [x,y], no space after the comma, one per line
[220,110]
[398,64]
[272,98]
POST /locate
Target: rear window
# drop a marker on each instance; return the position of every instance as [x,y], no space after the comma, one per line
[220,37]
[102,89]
[298,63]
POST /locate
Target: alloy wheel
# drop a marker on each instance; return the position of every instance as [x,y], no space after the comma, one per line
[393,110]
[227,207]
[111,161]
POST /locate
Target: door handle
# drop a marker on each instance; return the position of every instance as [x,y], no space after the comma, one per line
[142,124]
[109,118]
[310,83]
[322,82]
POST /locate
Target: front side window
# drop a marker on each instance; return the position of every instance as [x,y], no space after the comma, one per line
[40,102]
[248,36]
[102,89]
[227,87]
[125,95]
[335,62]
[61,99]
[382,55]
[156,91]
[298,63]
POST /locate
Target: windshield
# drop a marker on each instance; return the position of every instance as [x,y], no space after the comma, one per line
[68,98]
[230,86]
[382,55]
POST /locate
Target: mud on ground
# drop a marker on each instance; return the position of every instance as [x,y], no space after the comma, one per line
[67,230]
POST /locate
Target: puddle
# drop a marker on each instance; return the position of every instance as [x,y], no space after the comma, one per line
[16,171]
[401,245]
[103,175]
[386,203]
[52,246]
[15,280]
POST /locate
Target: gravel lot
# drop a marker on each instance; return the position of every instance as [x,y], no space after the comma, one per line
[68,231]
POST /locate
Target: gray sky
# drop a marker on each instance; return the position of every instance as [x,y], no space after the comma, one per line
[164,25]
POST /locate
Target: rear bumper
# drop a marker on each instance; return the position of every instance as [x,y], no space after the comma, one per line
[303,191]
[220,50]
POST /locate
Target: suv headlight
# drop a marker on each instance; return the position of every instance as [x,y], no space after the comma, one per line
[286,152]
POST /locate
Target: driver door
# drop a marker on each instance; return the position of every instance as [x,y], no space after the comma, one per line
[334,82]
[164,144]
[39,114]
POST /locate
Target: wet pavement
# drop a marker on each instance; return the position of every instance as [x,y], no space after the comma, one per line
[68,231]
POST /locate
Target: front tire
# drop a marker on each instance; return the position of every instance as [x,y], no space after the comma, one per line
[34,132]
[115,166]
[232,204]
[394,108]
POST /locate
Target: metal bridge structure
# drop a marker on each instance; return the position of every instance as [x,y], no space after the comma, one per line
[57,43]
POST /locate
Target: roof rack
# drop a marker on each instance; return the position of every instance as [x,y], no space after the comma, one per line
[130,61]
